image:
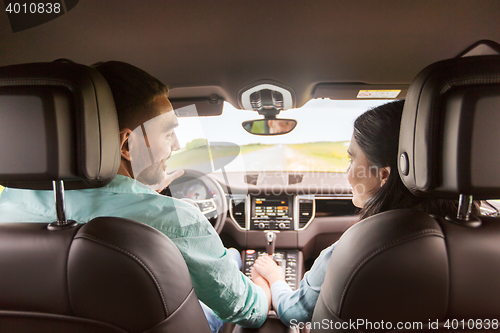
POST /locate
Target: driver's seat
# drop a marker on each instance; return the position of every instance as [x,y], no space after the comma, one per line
[109,275]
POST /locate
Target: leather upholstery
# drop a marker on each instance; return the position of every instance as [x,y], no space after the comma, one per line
[449,129]
[109,275]
[405,265]
[473,259]
[392,266]
[62,117]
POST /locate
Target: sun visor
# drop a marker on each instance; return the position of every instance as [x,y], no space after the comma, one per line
[353,91]
[205,106]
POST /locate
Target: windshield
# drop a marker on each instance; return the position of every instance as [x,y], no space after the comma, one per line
[317,144]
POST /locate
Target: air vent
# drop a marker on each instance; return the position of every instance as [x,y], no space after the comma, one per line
[306,211]
[331,206]
[238,213]
[295,179]
[251,179]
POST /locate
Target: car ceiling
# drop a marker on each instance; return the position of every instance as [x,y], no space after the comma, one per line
[203,47]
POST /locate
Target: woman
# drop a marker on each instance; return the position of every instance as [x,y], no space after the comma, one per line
[376,187]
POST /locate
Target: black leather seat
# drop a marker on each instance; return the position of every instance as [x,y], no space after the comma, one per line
[108,275]
[405,265]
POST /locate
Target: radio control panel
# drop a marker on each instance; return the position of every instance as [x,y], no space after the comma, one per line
[272,213]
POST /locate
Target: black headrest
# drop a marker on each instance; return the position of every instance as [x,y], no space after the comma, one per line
[450,137]
[58,122]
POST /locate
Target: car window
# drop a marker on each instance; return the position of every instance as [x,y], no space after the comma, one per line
[317,144]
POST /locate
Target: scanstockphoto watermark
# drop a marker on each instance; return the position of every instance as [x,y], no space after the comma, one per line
[363,325]
[318,188]
[358,324]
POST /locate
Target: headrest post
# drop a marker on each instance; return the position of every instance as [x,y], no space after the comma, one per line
[61,223]
[59,201]
[464,207]
[464,218]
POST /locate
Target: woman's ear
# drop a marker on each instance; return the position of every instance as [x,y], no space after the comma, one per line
[383,175]
[124,136]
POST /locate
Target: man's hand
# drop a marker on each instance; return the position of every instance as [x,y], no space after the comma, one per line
[257,278]
[268,269]
[261,282]
[170,177]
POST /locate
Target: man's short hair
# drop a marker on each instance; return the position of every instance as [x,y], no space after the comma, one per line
[133,90]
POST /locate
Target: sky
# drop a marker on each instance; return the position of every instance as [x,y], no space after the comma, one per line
[318,120]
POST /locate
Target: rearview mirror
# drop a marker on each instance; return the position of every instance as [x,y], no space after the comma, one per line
[269,126]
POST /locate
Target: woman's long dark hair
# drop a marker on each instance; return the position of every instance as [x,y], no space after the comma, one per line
[377,134]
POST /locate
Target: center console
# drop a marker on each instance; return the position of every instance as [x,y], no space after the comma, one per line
[274,216]
[269,224]
[283,225]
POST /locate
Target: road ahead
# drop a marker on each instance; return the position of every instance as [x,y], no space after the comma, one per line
[278,158]
[275,158]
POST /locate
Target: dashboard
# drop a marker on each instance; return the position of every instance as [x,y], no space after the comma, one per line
[286,213]
[193,189]
[286,202]
[198,193]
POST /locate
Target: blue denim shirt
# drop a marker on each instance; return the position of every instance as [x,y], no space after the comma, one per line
[215,276]
[299,304]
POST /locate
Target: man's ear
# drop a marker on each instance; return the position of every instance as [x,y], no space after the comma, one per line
[124,136]
[383,174]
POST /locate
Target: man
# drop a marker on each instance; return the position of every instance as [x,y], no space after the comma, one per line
[280,126]
[146,119]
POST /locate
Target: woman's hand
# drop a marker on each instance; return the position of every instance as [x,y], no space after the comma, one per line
[268,269]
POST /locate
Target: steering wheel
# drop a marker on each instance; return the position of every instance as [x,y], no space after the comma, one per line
[215,208]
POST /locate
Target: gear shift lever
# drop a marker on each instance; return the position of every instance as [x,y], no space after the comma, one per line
[271,242]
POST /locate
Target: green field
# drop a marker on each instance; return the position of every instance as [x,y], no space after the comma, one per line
[200,155]
[334,153]
[325,156]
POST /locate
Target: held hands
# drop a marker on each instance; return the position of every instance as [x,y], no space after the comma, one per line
[257,278]
[267,268]
[264,273]
[261,282]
